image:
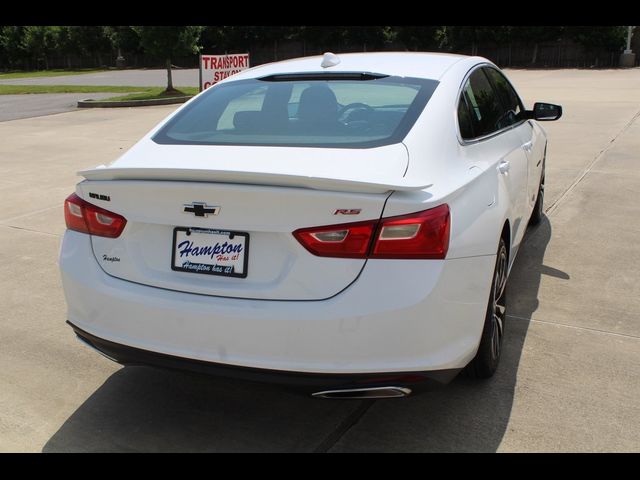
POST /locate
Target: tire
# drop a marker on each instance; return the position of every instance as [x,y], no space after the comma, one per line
[538,210]
[485,363]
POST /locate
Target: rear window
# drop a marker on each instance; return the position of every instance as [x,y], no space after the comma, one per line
[310,112]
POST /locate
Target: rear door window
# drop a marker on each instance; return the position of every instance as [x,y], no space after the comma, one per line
[485,107]
[512,106]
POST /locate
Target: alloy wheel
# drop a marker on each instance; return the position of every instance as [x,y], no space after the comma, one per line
[498,304]
[541,196]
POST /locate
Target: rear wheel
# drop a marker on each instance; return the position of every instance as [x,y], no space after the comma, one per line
[486,360]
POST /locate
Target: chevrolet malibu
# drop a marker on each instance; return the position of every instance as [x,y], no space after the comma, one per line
[343,223]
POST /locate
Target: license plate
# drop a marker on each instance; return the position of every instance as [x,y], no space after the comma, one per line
[213,252]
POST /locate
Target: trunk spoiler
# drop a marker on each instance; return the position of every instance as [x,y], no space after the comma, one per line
[252,178]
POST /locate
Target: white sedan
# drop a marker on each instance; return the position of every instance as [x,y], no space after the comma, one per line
[346,223]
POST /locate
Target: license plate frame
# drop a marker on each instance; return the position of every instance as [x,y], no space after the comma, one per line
[213,268]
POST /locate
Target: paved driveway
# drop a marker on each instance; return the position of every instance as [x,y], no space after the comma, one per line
[569,381]
[13,107]
[136,78]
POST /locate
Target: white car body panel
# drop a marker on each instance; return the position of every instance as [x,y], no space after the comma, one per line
[374,170]
[279,267]
[411,320]
[295,311]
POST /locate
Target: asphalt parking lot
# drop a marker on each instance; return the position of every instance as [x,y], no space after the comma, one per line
[569,379]
[152,77]
[13,107]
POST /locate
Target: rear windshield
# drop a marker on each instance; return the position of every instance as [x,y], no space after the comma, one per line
[311,112]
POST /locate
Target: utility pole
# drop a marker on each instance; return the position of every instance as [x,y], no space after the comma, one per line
[628,58]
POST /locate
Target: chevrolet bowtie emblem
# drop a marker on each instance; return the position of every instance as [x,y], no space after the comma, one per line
[200,209]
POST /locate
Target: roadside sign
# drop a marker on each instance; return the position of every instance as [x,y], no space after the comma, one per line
[214,68]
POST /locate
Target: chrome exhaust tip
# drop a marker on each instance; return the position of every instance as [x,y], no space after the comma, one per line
[364,393]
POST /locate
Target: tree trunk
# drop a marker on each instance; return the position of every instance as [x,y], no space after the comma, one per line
[169,80]
[535,54]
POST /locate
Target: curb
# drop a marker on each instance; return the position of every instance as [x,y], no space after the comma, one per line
[88,103]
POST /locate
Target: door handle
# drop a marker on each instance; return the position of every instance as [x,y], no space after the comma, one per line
[503,166]
[527,146]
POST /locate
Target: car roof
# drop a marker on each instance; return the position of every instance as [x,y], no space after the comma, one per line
[404,64]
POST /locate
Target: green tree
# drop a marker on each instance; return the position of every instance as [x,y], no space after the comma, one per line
[319,36]
[123,38]
[167,42]
[590,37]
[419,38]
[83,41]
[458,38]
[533,35]
[367,37]
[337,37]
[11,45]
[39,41]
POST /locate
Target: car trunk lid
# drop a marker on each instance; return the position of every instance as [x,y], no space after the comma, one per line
[261,204]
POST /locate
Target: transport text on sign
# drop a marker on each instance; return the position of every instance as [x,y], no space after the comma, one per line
[214,68]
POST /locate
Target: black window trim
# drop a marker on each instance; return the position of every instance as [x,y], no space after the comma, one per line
[464,98]
[472,141]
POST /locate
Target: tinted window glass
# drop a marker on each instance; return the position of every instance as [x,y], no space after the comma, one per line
[464,119]
[508,96]
[302,112]
[486,109]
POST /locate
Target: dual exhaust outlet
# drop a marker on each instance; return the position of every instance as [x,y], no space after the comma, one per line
[364,393]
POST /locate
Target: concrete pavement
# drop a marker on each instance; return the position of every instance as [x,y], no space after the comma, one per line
[569,381]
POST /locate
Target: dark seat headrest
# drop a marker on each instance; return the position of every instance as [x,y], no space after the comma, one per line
[318,103]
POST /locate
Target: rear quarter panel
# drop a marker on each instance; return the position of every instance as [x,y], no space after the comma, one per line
[460,175]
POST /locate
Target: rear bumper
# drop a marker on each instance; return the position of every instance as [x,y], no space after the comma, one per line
[126,355]
[399,316]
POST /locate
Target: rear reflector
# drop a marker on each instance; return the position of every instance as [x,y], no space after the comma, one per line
[85,217]
[420,235]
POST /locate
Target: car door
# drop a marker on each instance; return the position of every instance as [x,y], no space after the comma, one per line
[533,141]
[533,144]
[492,142]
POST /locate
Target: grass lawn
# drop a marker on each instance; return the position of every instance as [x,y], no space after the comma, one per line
[135,93]
[47,73]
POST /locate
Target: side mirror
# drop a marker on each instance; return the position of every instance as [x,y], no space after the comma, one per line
[546,111]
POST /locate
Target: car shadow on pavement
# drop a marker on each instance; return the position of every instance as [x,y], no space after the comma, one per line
[144,409]
[467,415]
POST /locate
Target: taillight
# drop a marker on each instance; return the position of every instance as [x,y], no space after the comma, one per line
[420,235]
[85,217]
[417,235]
[348,240]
